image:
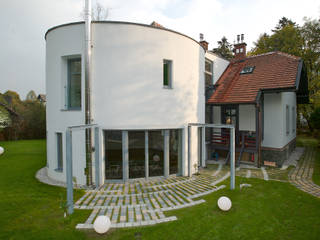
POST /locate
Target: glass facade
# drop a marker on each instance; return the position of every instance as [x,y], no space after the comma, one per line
[175,151]
[113,154]
[136,153]
[156,153]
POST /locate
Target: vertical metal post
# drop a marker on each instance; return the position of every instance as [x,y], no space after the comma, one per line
[232,158]
[203,147]
[166,152]
[146,153]
[125,155]
[69,171]
[189,151]
[97,155]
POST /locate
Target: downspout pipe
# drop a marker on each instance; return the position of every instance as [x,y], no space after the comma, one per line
[88,117]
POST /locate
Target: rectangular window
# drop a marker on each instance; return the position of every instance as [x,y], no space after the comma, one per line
[59,152]
[287,120]
[293,119]
[74,84]
[208,73]
[167,73]
[136,154]
[113,154]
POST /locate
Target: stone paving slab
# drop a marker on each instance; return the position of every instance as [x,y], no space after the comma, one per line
[301,176]
[144,202]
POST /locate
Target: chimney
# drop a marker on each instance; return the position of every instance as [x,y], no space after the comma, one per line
[240,48]
[203,43]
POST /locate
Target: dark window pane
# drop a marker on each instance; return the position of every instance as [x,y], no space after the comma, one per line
[59,152]
[165,74]
[208,66]
[113,153]
[74,83]
[174,151]
[136,154]
[155,153]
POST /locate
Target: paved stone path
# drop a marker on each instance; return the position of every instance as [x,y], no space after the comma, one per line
[301,176]
[143,202]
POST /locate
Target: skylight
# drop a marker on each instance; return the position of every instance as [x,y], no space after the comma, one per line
[247,70]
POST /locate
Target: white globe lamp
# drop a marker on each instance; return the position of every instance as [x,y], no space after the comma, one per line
[102,224]
[224,203]
[1,150]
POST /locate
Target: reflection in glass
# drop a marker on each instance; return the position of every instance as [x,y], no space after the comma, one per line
[136,154]
[174,151]
[113,153]
[155,153]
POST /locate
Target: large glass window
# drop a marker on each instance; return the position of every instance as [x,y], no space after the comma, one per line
[175,151]
[167,73]
[74,84]
[113,153]
[136,154]
[156,153]
[59,152]
[208,73]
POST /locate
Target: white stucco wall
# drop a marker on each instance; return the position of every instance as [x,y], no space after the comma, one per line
[219,65]
[127,84]
[275,119]
[247,118]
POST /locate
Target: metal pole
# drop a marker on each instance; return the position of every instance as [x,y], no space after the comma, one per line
[189,151]
[87,77]
[97,155]
[166,153]
[125,155]
[203,148]
[146,153]
[69,171]
[232,158]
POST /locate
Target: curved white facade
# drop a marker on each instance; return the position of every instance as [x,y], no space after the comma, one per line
[127,85]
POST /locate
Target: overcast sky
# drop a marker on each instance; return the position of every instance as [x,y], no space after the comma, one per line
[24,23]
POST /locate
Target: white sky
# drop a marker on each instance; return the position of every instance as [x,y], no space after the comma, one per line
[24,23]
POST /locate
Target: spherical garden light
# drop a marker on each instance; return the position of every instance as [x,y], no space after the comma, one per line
[1,150]
[224,203]
[101,224]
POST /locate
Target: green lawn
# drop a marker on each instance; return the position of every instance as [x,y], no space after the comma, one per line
[267,210]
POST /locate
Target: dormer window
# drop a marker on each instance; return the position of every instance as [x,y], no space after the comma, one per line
[247,70]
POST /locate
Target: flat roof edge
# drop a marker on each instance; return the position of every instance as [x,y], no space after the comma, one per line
[120,22]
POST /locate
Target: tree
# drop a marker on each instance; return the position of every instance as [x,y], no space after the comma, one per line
[283,22]
[31,96]
[99,12]
[224,48]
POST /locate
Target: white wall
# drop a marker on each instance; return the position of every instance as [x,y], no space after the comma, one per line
[62,42]
[127,83]
[219,65]
[275,119]
[247,118]
[216,114]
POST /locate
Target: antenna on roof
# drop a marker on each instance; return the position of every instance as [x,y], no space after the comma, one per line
[242,37]
[201,37]
[238,38]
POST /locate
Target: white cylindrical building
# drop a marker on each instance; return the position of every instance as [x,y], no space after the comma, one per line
[147,85]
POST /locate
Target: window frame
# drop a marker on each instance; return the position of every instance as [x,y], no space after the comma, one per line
[170,74]
[69,74]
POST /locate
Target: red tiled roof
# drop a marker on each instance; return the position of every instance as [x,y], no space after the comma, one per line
[272,70]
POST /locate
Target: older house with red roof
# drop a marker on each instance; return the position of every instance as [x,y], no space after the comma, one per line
[259,95]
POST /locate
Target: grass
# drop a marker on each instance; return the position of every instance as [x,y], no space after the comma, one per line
[267,210]
[28,208]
